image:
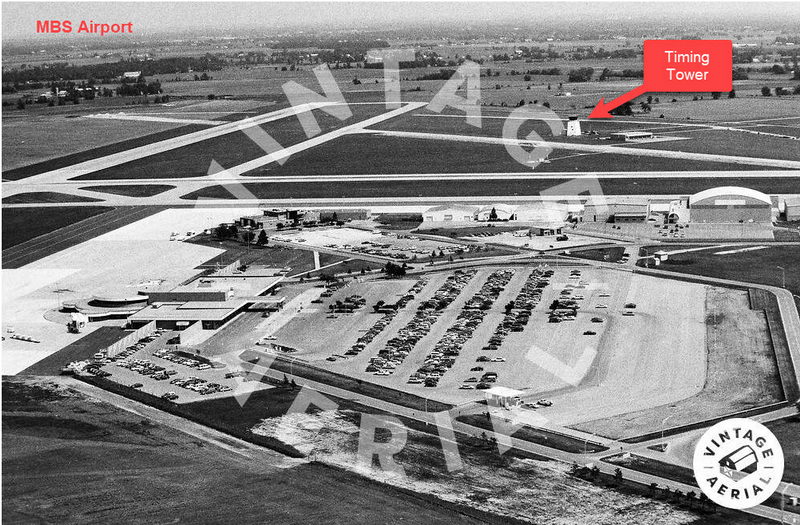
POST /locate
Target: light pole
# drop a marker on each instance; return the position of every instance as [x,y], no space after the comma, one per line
[783,500]
[783,276]
[663,422]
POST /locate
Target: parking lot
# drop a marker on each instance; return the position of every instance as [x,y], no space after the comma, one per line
[166,371]
[546,331]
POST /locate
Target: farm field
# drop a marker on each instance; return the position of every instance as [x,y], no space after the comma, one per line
[400,189]
[730,143]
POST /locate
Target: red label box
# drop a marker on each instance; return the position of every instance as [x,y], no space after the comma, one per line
[688,65]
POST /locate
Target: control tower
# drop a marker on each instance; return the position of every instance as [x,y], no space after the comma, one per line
[573,126]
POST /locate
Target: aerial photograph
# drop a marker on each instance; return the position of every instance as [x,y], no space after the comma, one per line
[365,262]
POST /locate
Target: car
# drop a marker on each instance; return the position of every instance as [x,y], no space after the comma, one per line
[471,380]
[601,306]
[483,386]
[498,360]
[137,385]
[627,314]
[476,369]
[597,319]
[482,359]
[331,358]
[544,402]
[466,387]
[630,305]
[589,332]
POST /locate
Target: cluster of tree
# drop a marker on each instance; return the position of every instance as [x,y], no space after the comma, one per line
[442,74]
[739,74]
[138,87]
[111,71]
[589,53]
[582,74]
[624,73]
[779,91]
[395,270]
[544,71]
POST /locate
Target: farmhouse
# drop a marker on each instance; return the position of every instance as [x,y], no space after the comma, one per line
[730,204]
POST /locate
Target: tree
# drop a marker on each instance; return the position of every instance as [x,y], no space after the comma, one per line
[493,215]
[249,236]
[232,231]
[262,238]
[765,91]
[20,104]
[715,95]
[732,93]
[618,475]
[222,231]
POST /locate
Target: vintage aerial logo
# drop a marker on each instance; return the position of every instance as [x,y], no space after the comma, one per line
[738,463]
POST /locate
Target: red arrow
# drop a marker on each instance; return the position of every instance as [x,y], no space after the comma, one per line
[601,110]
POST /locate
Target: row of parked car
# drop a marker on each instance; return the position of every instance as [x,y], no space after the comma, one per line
[389,314]
[139,345]
[200,386]
[565,308]
[169,355]
[517,315]
[428,312]
[348,305]
[443,355]
[146,367]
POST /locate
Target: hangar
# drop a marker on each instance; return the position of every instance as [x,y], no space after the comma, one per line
[495,212]
[447,213]
[730,204]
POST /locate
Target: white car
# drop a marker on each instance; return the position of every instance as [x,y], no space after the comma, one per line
[601,306]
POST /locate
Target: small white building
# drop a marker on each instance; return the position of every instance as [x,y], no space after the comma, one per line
[501,396]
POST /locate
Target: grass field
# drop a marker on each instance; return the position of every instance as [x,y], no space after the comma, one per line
[719,142]
[228,150]
[45,197]
[755,266]
[788,433]
[22,224]
[58,447]
[610,254]
[497,187]
[374,154]
[142,190]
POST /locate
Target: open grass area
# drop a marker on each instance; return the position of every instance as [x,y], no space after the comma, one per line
[609,254]
[59,446]
[133,190]
[369,154]
[752,266]
[45,197]
[788,433]
[22,224]
[227,150]
[476,188]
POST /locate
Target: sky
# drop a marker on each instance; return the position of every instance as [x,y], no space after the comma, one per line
[153,18]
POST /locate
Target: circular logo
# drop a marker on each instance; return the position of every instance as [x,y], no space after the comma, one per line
[738,463]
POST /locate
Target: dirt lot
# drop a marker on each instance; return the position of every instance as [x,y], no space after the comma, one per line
[742,371]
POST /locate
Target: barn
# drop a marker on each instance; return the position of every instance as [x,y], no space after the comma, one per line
[730,204]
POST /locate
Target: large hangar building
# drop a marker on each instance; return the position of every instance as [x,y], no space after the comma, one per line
[730,204]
